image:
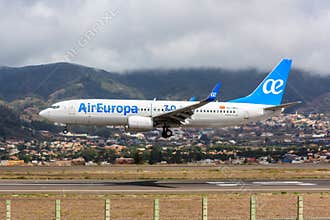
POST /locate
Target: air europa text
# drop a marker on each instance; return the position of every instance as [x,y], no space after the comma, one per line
[105,108]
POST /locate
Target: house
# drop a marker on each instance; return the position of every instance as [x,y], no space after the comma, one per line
[123,160]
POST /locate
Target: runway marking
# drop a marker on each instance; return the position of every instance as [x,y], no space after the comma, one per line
[227,183]
[262,183]
[276,183]
[307,184]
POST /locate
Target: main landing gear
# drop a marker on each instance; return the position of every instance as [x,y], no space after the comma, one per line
[166,132]
[65,130]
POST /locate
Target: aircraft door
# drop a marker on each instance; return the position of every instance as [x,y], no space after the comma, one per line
[152,105]
[71,110]
[246,115]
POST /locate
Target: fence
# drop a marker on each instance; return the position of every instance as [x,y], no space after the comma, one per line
[157,207]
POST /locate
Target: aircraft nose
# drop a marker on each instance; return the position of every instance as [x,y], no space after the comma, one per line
[44,113]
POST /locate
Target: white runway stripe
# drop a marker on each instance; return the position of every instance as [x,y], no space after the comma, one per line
[263,183]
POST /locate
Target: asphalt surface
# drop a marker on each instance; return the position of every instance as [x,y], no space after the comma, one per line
[173,186]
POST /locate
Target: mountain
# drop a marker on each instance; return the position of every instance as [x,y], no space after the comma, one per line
[26,90]
[184,83]
[59,81]
[11,125]
[318,104]
[40,85]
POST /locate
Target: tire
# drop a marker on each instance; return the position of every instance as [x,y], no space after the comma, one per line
[169,133]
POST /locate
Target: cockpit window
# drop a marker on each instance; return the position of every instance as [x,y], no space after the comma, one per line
[55,107]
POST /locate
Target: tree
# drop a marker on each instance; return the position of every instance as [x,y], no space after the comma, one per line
[138,157]
[24,156]
[110,155]
[155,155]
[89,154]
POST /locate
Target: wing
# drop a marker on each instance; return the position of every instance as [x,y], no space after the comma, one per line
[178,116]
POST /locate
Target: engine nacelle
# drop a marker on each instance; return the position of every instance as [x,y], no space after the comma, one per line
[140,123]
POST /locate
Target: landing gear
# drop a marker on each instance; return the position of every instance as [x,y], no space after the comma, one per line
[166,132]
[65,130]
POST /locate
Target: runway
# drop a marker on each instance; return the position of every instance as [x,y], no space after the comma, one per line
[172,186]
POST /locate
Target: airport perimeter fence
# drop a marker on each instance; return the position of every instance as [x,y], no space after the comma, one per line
[62,209]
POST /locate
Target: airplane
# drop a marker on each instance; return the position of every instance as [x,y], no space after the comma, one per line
[144,115]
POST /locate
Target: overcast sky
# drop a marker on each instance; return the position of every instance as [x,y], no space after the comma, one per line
[135,34]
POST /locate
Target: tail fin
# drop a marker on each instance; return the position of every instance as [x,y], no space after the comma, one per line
[270,91]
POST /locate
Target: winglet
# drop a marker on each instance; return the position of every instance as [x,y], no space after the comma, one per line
[214,93]
[192,99]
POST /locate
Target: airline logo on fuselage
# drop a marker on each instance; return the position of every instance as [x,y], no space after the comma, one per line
[105,108]
[273,86]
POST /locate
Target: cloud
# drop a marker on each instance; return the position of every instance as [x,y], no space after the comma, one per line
[169,34]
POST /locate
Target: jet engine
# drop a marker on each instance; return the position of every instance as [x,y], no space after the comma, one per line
[140,123]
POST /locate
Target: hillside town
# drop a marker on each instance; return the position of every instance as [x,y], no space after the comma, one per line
[289,138]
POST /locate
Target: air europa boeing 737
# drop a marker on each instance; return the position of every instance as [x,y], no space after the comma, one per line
[143,115]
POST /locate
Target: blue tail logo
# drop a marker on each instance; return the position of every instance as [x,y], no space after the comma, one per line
[213,95]
[271,89]
[274,87]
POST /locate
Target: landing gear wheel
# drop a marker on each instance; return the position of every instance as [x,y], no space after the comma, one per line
[65,131]
[166,132]
[169,133]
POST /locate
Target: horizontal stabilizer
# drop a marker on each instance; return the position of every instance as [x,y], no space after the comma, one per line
[286,105]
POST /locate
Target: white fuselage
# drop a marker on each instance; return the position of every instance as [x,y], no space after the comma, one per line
[116,112]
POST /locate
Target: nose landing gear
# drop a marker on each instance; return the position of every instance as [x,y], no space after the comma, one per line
[166,132]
